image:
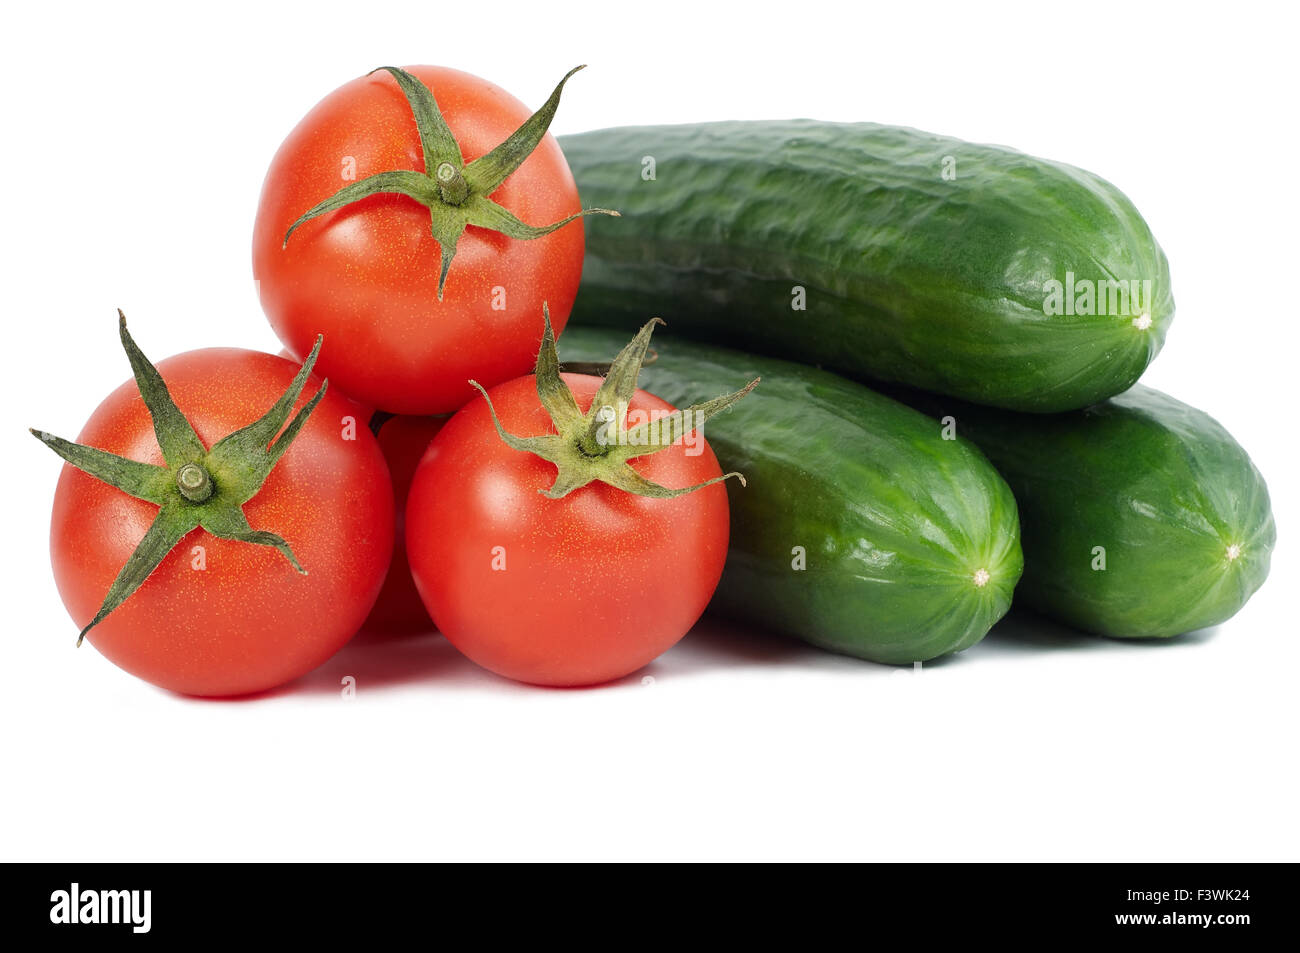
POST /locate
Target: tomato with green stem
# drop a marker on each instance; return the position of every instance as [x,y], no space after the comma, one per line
[580,553]
[215,532]
[418,218]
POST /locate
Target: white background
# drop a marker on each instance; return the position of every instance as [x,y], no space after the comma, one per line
[135,143]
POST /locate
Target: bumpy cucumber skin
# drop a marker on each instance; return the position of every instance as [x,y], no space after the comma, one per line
[1160,485]
[894,522]
[934,283]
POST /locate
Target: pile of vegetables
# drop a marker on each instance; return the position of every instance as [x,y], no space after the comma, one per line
[915,360]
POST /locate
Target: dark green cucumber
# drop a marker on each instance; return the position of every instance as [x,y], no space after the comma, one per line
[923,260]
[1141,516]
[910,546]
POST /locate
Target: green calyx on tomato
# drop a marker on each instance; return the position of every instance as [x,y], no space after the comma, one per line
[597,445]
[455,193]
[196,487]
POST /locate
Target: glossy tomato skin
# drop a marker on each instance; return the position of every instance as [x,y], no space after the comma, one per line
[595,585]
[246,621]
[366,276]
[399,608]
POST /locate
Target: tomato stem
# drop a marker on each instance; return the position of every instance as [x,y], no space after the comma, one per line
[452,186]
[597,445]
[194,482]
[593,441]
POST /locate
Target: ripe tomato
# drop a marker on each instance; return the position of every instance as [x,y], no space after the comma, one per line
[572,591]
[219,617]
[399,608]
[367,275]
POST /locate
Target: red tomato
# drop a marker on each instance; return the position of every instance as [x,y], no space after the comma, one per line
[219,617]
[575,591]
[399,608]
[366,275]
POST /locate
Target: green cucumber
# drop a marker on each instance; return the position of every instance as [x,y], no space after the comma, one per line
[916,258]
[856,531]
[1141,516]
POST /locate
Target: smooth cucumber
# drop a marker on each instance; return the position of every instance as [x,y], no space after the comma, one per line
[910,546]
[1141,516]
[922,259]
